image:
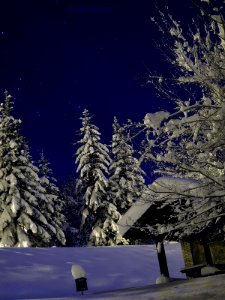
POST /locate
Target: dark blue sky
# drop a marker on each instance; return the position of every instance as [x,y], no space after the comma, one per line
[58,57]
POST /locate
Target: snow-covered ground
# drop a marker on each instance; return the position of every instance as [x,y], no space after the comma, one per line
[205,288]
[38,273]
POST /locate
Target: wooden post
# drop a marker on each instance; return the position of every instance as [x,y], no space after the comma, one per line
[208,255]
[162,258]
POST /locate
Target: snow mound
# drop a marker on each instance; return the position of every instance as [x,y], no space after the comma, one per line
[209,270]
[162,279]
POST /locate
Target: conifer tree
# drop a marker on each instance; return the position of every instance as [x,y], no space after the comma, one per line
[126,185]
[126,182]
[23,222]
[93,159]
[71,211]
[106,231]
[54,203]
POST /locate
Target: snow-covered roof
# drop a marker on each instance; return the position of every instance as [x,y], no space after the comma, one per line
[159,188]
[133,214]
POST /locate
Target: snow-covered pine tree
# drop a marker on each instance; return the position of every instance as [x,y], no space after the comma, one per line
[72,211]
[126,184]
[126,181]
[54,207]
[22,221]
[93,159]
[106,230]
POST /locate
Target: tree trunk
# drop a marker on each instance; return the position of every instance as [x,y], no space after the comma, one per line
[162,258]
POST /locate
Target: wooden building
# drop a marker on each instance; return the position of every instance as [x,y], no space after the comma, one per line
[130,227]
[198,254]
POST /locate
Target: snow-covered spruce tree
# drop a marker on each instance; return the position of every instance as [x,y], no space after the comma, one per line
[53,208]
[93,159]
[126,185]
[126,181]
[72,211]
[189,142]
[22,221]
[106,231]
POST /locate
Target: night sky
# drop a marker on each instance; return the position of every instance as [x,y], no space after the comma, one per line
[58,57]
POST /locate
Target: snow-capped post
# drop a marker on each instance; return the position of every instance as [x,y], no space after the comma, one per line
[79,275]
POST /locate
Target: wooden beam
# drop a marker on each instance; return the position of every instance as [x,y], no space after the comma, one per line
[163,266]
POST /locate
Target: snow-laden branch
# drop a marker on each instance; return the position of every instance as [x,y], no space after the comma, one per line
[189,141]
